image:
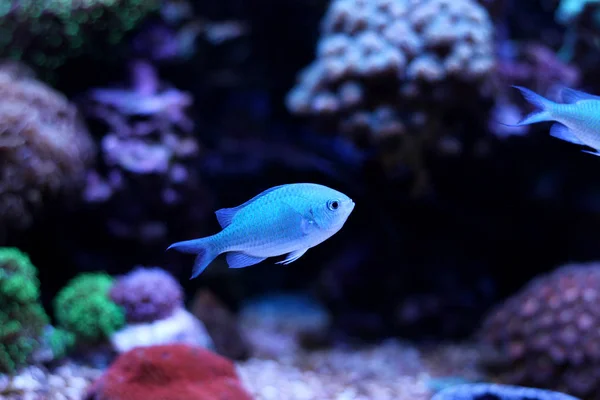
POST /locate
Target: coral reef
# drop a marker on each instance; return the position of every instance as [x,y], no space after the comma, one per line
[84,308]
[44,146]
[476,391]
[171,371]
[47,33]
[22,317]
[147,294]
[545,335]
[222,325]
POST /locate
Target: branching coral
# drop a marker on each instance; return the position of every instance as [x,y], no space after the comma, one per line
[84,308]
[44,33]
[44,146]
[148,151]
[546,335]
[147,294]
[22,317]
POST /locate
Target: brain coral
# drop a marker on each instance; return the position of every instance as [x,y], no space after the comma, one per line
[376,57]
[44,146]
[174,371]
[547,335]
[147,294]
[22,318]
[84,308]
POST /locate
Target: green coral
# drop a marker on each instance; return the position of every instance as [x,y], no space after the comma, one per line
[59,342]
[22,317]
[84,308]
[45,33]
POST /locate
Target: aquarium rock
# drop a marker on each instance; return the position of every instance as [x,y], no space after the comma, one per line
[481,391]
[180,327]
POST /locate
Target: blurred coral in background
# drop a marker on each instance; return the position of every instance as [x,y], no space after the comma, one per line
[44,144]
[46,33]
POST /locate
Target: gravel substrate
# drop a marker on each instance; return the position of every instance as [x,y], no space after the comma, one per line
[66,382]
[390,371]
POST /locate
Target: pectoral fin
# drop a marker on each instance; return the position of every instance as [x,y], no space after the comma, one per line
[293,256]
[237,259]
[304,220]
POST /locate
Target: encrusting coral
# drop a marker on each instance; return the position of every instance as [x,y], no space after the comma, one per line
[84,308]
[545,335]
[22,317]
[45,147]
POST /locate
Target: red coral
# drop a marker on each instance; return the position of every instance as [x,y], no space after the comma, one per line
[169,372]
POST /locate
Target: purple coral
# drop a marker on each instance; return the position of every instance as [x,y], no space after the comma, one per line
[147,294]
[147,177]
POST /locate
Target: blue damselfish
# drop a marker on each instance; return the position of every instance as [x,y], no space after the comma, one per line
[287,219]
[577,117]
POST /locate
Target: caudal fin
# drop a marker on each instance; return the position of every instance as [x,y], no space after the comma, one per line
[204,250]
[543,104]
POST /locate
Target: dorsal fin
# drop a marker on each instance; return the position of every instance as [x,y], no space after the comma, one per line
[570,96]
[225,215]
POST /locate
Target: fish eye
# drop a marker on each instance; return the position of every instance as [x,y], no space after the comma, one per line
[333,205]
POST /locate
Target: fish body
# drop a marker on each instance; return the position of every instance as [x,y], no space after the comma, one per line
[577,118]
[287,219]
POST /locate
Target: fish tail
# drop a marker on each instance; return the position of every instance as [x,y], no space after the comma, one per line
[543,104]
[204,250]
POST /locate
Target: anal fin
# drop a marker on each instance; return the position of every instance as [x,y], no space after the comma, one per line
[293,256]
[560,131]
[237,259]
[595,153]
